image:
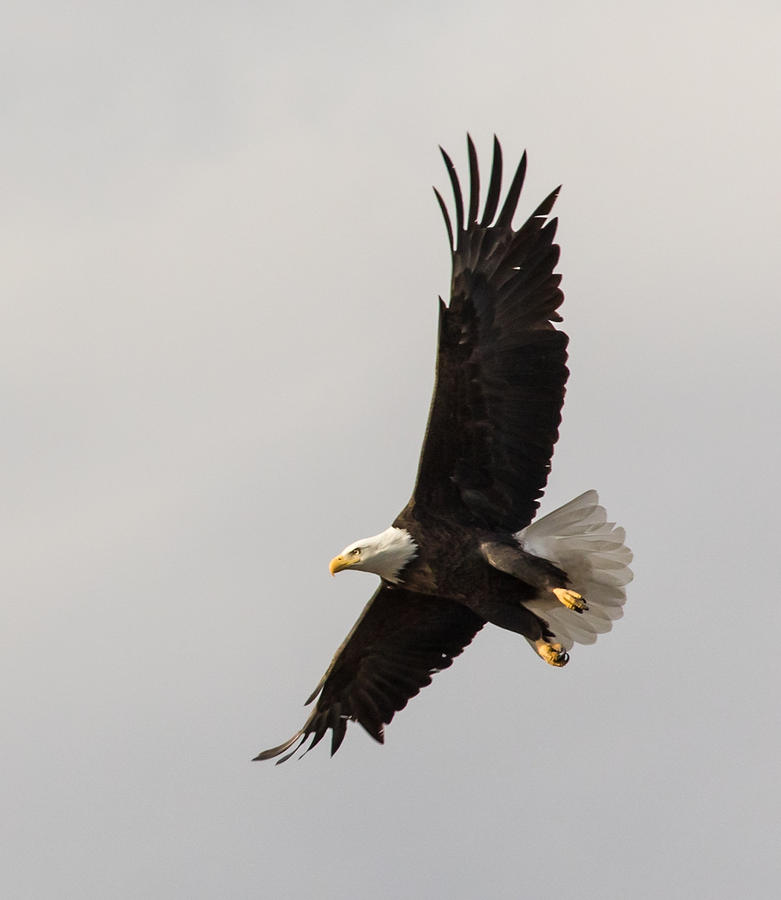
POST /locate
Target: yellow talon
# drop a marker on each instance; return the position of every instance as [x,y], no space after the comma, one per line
[571,599]
[553,654]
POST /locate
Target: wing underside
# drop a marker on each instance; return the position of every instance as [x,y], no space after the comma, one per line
[400,640]
[501,365]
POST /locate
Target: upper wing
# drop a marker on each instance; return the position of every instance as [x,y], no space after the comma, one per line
[399,641]
[501,364]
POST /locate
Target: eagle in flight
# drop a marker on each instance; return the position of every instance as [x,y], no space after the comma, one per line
[464,551]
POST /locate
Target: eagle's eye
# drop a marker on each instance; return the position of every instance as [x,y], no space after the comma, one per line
[356,552]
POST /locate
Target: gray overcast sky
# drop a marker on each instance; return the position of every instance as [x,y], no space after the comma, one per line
[220,261]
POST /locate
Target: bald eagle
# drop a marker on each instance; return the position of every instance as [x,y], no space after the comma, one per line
[464,551]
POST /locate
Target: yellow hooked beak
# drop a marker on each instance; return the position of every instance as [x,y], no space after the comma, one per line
[338,563]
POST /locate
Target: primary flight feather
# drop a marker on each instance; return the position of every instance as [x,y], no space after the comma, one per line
[462,552]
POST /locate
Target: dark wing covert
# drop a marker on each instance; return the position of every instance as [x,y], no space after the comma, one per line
[399,641]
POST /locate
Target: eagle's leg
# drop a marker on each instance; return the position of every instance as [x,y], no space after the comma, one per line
[571,599]
[553,654]
[540,573]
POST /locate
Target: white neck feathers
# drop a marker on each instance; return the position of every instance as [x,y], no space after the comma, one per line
[387,553]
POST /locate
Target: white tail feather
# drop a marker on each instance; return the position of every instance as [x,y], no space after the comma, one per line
[578,538]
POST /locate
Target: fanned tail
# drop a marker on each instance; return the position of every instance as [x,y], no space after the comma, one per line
[578,538]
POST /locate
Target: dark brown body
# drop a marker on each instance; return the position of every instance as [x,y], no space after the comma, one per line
[456,566]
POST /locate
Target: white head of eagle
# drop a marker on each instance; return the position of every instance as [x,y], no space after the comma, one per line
[385,554]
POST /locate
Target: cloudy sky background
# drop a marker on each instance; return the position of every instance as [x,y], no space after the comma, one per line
[220,258]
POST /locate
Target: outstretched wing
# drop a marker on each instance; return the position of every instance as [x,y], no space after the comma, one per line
[399,641]
[501,366]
